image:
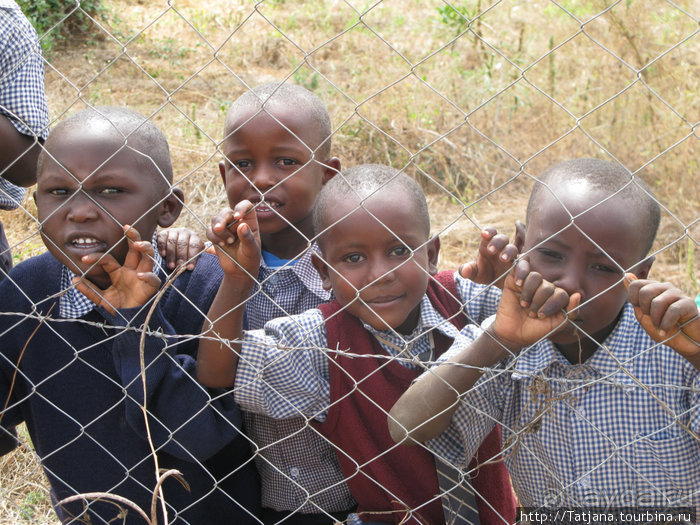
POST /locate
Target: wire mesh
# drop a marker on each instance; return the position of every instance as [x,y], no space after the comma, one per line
[473,100]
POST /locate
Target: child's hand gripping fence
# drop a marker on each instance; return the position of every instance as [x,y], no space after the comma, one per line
[472,99]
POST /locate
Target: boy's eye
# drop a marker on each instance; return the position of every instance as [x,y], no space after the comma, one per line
[400,251]
[288,162]
[59,191]
[241,164]
[550,254]
[606,268]
[353,258]
[109,191]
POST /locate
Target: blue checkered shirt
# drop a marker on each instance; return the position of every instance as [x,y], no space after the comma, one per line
[11,196]
[293,460]
[283,369]
[289,290]
[73,305]
[22,95]
[623,428]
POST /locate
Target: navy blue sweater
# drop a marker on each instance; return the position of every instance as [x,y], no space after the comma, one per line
[79,390]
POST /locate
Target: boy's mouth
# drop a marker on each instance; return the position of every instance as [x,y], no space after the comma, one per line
[86,244]
[382,300]
[266,206]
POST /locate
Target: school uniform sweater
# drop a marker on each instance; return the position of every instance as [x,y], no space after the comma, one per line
[389,480]
[77,385]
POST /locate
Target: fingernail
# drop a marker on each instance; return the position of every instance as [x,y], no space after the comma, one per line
[230,240]
[662,333]
[524,304]
[171,265]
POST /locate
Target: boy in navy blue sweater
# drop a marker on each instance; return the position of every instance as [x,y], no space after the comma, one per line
[70,365]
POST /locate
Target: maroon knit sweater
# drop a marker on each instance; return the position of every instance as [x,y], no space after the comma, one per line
[386,479]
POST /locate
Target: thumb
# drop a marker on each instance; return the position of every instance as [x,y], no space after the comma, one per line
[572,307]
[629,277]
[469,270]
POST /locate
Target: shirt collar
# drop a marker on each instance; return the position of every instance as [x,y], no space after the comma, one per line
[428,320]
[617,348]
[306,272]
[73,304]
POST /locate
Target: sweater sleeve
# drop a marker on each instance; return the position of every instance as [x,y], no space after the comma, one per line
[10,378]
[185,419]
[20,315]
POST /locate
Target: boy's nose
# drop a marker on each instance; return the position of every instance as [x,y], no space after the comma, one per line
[263,179]
[572,283]
[81,208]
[381,272]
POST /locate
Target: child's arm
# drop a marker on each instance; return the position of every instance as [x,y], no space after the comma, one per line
[235,235]
[494,258]
[529,310]
[178,246]
[667,315]
[132,283]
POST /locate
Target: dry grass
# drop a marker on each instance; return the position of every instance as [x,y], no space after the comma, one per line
[522,89]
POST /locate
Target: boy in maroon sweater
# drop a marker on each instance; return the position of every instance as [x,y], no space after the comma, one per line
[377,256]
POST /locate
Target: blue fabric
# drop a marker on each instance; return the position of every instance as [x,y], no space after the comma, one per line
[298,467]
[22,96]
[616,430]
[272,261]
[79,391]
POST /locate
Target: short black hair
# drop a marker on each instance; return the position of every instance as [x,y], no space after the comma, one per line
[361,182]
[292,95]
[140,135]
[610,178]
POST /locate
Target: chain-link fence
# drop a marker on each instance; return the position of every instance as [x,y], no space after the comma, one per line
[473,100]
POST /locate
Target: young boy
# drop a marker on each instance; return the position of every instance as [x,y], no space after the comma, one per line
[70,365]
[377,258]
[277,149]
[604,411]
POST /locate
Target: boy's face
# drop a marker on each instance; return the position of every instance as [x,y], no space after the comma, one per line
[265,161]
[382,252]
[586,256]
[75,221]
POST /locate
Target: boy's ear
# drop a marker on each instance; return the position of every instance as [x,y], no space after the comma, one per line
[332,168]
[322,269]
[170,208]
[433,252]
[643,268]
[222,171]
